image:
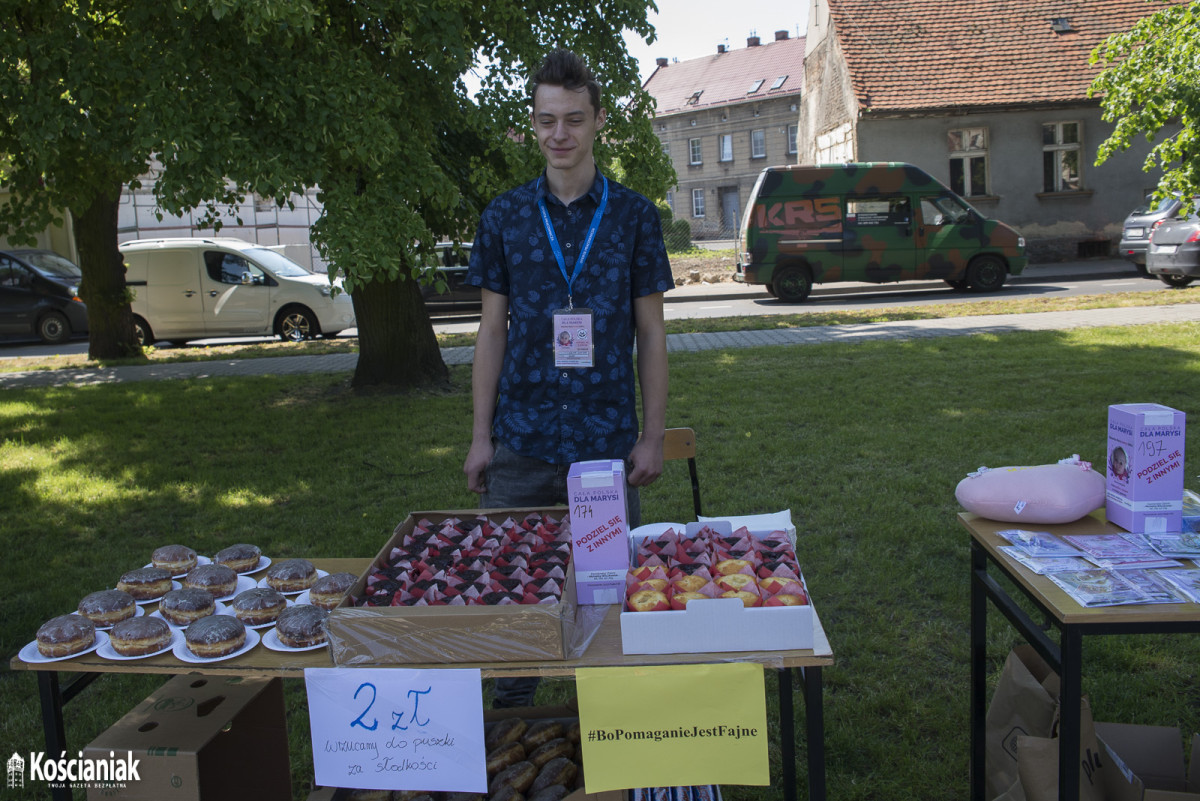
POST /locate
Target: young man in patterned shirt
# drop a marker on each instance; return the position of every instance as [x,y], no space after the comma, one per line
[572,269]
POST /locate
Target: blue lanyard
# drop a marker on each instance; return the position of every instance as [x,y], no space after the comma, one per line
[587,241]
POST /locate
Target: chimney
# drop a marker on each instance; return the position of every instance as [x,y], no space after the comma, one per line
[781,36]
[662,62]
[720,49]
[753,41]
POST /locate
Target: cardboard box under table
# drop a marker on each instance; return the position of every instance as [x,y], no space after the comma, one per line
[203,737]
[405,635]
[1149,762]
[718,625]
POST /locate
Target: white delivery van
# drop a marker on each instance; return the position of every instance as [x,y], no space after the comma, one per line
[196,288]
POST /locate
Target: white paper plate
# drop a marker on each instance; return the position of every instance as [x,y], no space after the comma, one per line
[107,651]
[175,585]
[137,612]
[320,574]
[200,560]
[218,609]
[181,651]
[271,640]
[33,656]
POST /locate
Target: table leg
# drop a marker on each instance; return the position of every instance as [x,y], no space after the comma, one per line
[814,725]
[787,733]
[52,723]
[978,698]
[1071,689]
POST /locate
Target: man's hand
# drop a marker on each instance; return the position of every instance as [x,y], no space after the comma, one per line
[647,460]
[478,458]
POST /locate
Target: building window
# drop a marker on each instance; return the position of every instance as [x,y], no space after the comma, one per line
[725,147]
[1060,157]
[694,152]
[793,131]
[755,86]
[758,144]
[697,202]
[968,161]
[778,82]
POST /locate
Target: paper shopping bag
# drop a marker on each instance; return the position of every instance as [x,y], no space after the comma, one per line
[1023,705]
[1037,762]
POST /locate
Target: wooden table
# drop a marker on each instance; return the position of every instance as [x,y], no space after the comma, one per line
[1073,622]
[603,651]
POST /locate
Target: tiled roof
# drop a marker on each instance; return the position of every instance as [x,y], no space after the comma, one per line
[725,78]
[915,54]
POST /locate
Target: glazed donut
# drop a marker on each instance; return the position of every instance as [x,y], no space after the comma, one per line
[558,747]
[138,636]
[241,557]
[735,582]
[506,793]
[107,607]
[573,733]
[215,635]
[328,591]
[292,575]
[509,730]
[178,559]
[181,607]
[542,732]
[504,756]
[220,580]
[258,606]
[559,770]
[301,626]
[146,583]
[555,792]
[518,777]
[367,795]
[65,635]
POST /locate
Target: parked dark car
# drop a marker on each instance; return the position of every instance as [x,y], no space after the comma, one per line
[39,296]
[1174,254]
[451,267]
[1141,222]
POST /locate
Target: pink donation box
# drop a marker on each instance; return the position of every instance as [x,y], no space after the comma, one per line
[1145,467]
[599,530]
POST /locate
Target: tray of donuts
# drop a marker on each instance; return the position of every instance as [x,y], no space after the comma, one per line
[710,588]
[462,586]
[197,609]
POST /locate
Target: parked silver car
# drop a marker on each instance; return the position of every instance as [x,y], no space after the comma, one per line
[1140,223]
[1174,254]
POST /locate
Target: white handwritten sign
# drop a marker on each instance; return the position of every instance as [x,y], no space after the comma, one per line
[397,729]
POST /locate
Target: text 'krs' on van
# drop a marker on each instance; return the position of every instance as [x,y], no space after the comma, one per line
[868,222]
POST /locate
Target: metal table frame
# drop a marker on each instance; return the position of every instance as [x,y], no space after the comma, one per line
[1066,656]
[54,693]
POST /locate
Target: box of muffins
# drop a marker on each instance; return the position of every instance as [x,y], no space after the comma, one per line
[462,586]
[713,588]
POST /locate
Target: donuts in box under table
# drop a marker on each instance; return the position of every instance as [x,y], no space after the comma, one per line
[462,586]
[749,592]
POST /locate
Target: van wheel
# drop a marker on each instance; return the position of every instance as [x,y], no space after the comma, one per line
[53,328]
[142,332]
[1176,281]
[986,273]
[770,289]
[792,284]
[296,324]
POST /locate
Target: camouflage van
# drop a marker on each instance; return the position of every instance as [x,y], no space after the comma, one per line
[870,222]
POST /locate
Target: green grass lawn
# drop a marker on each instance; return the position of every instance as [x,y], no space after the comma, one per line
[864,443]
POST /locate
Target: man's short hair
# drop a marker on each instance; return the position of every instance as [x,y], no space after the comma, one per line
[568,70]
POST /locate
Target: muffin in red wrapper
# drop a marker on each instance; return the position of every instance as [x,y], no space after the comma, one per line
[647,601]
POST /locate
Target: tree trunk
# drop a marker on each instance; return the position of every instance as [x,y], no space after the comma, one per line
[110,320]
[396,345]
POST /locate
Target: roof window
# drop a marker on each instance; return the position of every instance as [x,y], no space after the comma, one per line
[695,98]
[1061,25]
[778,82]
[754,87]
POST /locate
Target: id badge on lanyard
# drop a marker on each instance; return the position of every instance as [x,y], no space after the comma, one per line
[573,328]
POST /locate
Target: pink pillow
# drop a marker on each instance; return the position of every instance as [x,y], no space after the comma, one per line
[1043,494]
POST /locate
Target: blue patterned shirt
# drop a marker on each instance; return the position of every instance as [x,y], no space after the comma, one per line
[565,415]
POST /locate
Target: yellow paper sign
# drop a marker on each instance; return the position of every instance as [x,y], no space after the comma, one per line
[673,725]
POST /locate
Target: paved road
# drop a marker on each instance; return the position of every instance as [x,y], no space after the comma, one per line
[676,343]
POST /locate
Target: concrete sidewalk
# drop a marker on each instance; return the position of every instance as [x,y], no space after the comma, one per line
[676,343]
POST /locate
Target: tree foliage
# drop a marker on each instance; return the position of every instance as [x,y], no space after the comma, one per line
[1150,87]
[238,98]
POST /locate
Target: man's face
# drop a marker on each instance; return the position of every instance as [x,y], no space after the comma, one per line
[565,124]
